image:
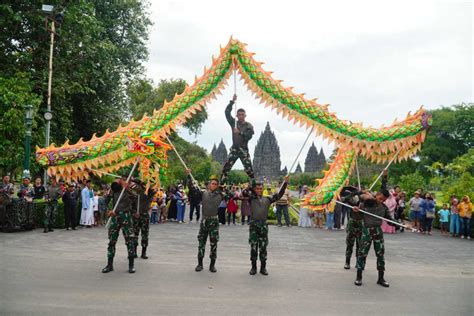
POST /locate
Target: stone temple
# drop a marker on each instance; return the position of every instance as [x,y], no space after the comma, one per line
[219,153]
[314,162]
[266,160]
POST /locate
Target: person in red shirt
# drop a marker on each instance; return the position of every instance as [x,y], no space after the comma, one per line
[232,206]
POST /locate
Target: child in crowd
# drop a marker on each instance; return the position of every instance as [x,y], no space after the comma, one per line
[154,211]
[318,218]
[95,208]
[444,219]
[329,219]
[454,225]
[232,206]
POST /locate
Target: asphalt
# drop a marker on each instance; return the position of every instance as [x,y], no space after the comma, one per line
[59,273]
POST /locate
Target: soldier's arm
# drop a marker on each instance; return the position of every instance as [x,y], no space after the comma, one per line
[280,193]
[228,115]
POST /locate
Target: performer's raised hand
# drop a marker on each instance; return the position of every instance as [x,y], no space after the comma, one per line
[234,98]
[356,209]
[287,177]
[188,171]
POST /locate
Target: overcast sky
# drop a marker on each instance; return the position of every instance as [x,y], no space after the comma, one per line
[371,61]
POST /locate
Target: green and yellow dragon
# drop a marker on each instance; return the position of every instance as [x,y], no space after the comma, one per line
[111,150]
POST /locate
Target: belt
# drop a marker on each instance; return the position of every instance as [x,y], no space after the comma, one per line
[260,221]
[210,217]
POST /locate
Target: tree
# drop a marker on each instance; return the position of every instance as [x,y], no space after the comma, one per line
[98,48]
[144,98]
[451,135]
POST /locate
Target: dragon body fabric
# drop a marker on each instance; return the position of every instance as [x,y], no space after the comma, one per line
[110,151]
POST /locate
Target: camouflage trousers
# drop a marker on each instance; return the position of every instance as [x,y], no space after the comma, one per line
[374,234]
[122,220]
[234,154]
[354,233]
[258,240]
[142,224]
[209,227]
[50,212]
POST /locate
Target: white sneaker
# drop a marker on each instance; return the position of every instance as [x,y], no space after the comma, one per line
[462,237]
[468,237]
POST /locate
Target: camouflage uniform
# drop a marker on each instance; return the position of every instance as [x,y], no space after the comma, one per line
[372,231]
[121,220]
[239,148]
[209,226]
[209,222]
[50,211]
[258,240]
[142,223]
[258,230]
[354,233]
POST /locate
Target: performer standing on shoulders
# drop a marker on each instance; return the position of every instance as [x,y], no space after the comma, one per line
[242,132]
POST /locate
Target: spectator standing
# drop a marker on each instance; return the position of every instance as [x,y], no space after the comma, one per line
[391,204]
[400,210]
[7,186]
[329,219]
[103,199]
[282,207]
[39,189]
[455,220]
[465,214]
[195,199]
[428,213]
[304,219]
[232,206]
[87,197]
[95,208]
[70,198]
[172,204]
[221,211]
[444,219]
[154,211]
[415,210]
[245,207]
[181,198]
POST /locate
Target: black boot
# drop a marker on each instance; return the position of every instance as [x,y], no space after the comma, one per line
[199,266]
[45,229]
[50,228]
[347,266]
[263,267]
[253,271]
[144,256]
[381,280]
[135,252]
[358,280]
[212,266]
[131,268]
[109,267]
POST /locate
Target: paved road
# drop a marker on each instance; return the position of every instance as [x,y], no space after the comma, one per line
[59,274]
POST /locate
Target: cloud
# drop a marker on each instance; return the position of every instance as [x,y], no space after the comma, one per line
[372,61]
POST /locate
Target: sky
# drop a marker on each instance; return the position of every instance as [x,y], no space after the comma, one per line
[371,61]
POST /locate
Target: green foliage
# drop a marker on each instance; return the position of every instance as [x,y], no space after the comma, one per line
[144,98]
[196,158]
[412,182]
[451,135]
[99,47]
[305,178]
[238,177]
[15,93]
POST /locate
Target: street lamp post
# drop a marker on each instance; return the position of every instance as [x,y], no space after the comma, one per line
[28,123]
[56,19]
